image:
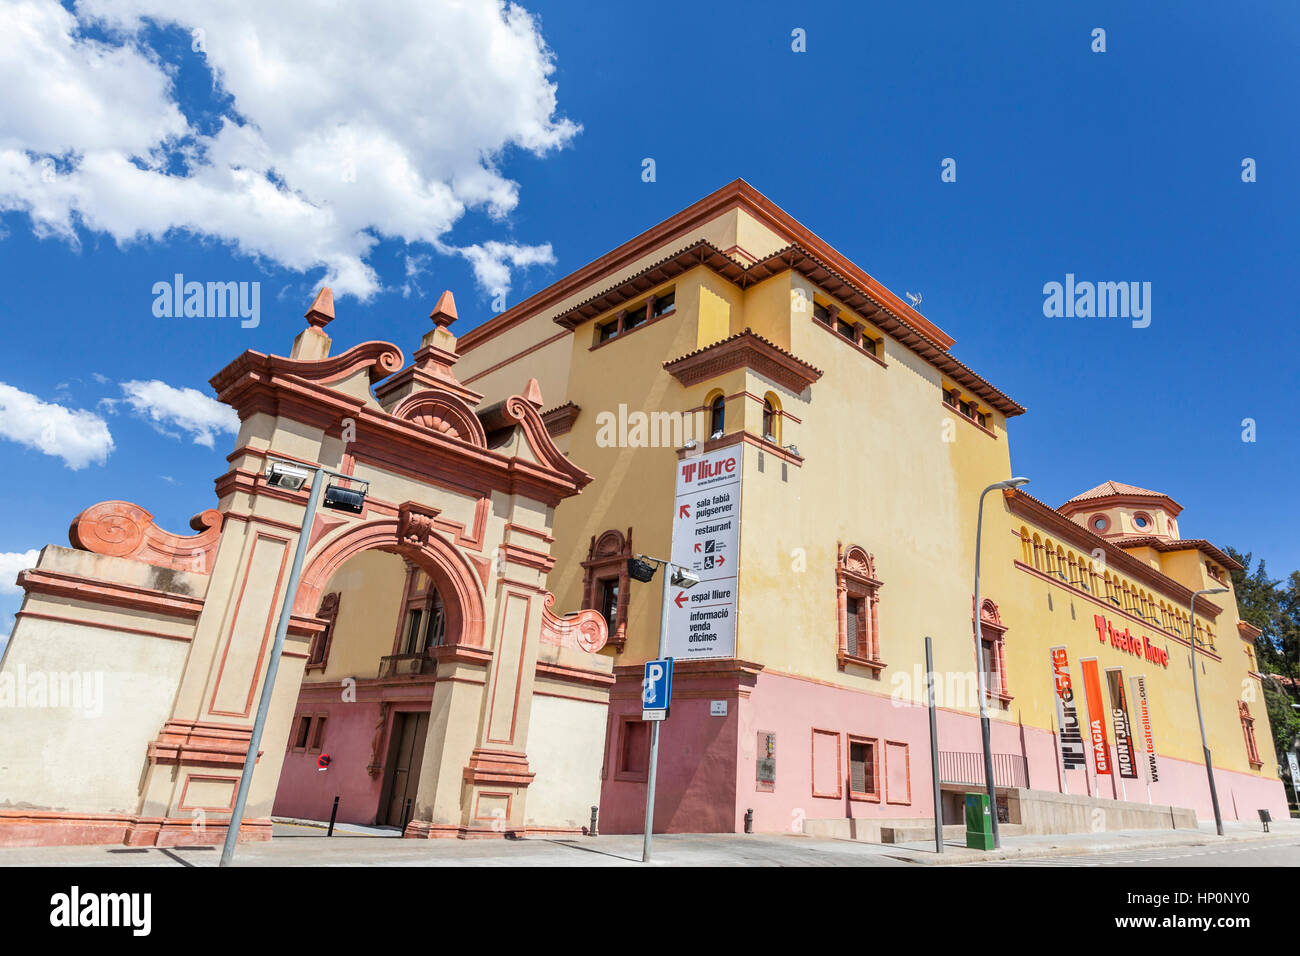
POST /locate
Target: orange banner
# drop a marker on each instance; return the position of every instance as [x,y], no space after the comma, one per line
[1096,716]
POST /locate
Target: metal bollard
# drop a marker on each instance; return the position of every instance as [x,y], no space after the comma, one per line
[333,816]
[595,812]
[749,820]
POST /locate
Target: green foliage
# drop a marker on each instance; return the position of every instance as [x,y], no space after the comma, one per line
[1282,717]
[1273,607]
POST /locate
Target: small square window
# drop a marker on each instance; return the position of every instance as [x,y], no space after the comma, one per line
[862,769]
[821,313]
[607,331]
[318,732]
[635,316]
[664,304]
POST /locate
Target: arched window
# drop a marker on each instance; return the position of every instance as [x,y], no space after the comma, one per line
[857,595]
[771,418]
[717,415]
[1038,553]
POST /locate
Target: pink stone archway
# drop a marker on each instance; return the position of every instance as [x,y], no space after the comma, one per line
[451,573]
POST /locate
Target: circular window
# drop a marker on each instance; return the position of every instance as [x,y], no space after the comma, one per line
[1143,522]
[1099,523]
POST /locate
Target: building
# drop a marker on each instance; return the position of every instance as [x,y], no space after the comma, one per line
[729,391]
[862,446]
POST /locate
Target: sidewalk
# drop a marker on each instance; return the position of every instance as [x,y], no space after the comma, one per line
[304,844]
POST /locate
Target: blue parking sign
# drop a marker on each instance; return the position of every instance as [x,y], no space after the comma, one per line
[657,689]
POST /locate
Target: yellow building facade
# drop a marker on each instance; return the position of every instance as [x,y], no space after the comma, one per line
[863,446]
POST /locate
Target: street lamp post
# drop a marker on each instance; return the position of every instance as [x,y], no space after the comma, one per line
[979,659]
[1205,748]
[674,576]
[288,475]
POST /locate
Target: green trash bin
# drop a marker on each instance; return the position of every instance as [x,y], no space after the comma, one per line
[979,824]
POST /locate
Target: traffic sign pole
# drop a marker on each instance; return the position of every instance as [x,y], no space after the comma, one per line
[666,570]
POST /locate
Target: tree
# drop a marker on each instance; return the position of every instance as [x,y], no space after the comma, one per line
[1274,610]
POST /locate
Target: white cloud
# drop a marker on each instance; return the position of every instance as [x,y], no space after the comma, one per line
[11,562]
[77,436]
[188,409]
[492,261]
[346,122]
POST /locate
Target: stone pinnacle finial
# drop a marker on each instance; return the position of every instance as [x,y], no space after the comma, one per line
[533,393]
[444,313]
[321,312]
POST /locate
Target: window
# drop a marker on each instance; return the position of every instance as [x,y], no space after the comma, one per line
[1248,729]
[663,305]
[318,732]
[301,735]
[771,418]
[821,313]
[993,658]
[634,750]
[717,416]
[635,316]
[846,329]
[607,331]
[605,581]
[871,345]
[967,408]
[423,619]
[1142,521]
[864,778]
[857,620]
[609,602]
[855,607]
[318,654]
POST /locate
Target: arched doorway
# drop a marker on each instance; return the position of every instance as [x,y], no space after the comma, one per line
[385,607]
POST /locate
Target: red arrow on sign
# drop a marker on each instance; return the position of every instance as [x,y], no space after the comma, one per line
[684,511]
[681,597]
[721,560]
[697,547]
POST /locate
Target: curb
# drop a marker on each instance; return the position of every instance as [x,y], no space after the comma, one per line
[1085,850]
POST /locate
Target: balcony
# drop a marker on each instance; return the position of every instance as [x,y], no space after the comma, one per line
[421,664]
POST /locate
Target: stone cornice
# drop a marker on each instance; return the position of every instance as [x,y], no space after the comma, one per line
[744,350]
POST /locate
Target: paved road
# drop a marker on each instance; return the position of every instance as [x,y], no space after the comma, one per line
[296,845]
[1282,852]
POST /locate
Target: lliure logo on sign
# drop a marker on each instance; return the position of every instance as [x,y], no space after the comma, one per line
[1124,641]
[1102,300]
[1073,751]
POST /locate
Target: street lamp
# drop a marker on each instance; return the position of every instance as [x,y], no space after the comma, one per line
[1205,748]
[643,568]
[979,658]
[291,476]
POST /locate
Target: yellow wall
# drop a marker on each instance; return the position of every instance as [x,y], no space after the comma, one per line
[888,467]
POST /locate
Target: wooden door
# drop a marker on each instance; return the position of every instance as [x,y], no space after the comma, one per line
[409,733]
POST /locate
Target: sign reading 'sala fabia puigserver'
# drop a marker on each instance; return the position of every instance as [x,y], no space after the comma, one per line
[706,539]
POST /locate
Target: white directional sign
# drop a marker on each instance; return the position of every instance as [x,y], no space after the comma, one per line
[706,539]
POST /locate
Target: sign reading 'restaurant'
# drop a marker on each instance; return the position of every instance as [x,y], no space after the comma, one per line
[1129,643]
[706,539]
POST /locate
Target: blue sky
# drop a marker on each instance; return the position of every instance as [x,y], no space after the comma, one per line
[1117,166]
